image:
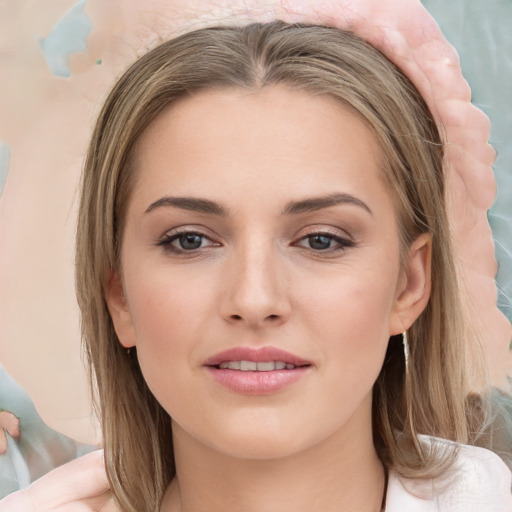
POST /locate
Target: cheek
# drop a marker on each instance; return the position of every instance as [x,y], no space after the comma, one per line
[170,312]
[350,316]
[165,300]
[351,322]
[350,298]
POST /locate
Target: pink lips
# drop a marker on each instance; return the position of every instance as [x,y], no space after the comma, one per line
[256,382]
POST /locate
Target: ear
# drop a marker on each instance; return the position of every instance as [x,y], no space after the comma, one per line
[119,310]
[414,286]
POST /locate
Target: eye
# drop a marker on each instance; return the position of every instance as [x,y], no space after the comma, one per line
[325,242]
[320,242]
[185,241]
[189,241]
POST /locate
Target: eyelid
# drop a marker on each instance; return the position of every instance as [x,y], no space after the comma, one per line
[187,228]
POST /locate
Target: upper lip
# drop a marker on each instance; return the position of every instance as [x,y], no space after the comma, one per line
[257,355]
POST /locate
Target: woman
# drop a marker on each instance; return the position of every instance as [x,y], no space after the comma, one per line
[269,299]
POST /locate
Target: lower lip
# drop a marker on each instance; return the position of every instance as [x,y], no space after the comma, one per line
[257,383]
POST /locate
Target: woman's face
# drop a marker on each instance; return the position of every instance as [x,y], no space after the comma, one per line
[260,224]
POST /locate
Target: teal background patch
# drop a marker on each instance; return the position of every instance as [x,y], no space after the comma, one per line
[68,36]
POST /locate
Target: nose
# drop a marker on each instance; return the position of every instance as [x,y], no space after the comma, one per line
[255,291]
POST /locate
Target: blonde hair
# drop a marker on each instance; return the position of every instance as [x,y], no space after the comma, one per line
[324,61]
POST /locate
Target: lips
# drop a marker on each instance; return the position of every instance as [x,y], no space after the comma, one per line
[260,371]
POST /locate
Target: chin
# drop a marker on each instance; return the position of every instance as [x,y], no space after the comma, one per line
[263,437]
[261,447]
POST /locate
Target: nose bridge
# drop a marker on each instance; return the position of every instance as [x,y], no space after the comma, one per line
[257,291]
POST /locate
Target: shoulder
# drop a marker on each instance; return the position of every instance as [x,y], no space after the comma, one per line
[478,481]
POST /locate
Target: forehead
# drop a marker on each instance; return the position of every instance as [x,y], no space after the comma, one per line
[274,141]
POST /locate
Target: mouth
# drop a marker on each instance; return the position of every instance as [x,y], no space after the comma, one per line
[256,371]
[262,359]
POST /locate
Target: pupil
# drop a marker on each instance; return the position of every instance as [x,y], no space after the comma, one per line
[319,242]
[190,241]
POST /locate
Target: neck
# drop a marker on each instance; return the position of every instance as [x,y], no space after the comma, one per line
[341,473]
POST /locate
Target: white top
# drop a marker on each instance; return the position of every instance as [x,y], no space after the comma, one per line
[478,482]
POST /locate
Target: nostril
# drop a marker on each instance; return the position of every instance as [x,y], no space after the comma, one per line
[268,318]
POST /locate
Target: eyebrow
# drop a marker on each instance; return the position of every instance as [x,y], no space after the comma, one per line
[190,203]
[292,208]
[318,203]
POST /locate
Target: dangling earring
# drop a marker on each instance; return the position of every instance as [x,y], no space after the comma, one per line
[129,351]
[407,354]
[409,398]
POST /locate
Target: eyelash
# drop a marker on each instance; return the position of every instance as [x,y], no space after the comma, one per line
[167,242]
